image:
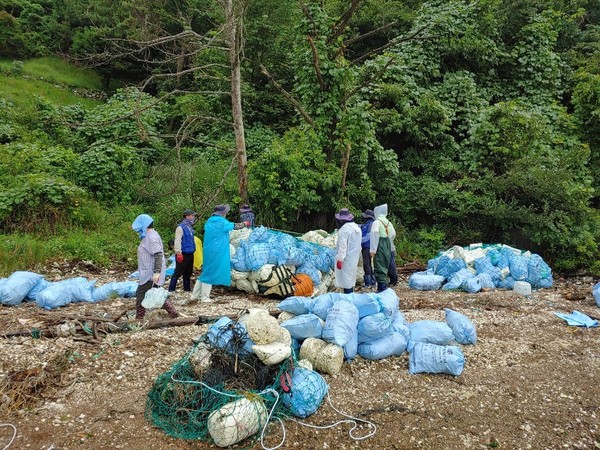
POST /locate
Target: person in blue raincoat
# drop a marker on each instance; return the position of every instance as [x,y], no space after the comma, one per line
[217,259]
[365,228]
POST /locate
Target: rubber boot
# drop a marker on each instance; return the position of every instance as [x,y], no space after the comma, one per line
[170,308]
[373,280]
[186,284]
[348,291]
[367,279]
[205,293]
[381,287]
[173,284]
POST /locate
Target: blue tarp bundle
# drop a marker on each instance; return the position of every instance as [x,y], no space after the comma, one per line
[482,266]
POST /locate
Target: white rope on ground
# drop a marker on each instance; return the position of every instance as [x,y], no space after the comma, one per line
[13,436]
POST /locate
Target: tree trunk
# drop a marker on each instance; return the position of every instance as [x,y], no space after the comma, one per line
[233,17]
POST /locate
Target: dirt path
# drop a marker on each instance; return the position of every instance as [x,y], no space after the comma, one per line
[530,382]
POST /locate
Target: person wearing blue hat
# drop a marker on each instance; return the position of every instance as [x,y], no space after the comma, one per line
[369,217]
[151,264]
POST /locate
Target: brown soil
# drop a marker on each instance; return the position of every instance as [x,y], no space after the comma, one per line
[530,382]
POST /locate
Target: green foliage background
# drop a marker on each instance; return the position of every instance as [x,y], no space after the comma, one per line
[476,121]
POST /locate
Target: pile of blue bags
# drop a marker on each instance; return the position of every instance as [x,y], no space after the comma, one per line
[372,326]
[480,266]
[28,286]
[265,246]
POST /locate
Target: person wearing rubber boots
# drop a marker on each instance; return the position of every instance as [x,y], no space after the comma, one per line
[184,247]
[348,250]
[217,260]
[382,235]
[365,228]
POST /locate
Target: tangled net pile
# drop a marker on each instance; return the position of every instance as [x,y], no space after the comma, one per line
[221,393]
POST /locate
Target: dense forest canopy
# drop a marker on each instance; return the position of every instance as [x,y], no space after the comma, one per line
[476,121]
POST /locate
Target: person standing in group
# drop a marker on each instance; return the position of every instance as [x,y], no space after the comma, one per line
[382,236]
[217,259]
[348,250]
[151,264]
[247,215]
[184,247]
[365,228]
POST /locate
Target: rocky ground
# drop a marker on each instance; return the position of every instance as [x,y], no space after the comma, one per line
[530,382]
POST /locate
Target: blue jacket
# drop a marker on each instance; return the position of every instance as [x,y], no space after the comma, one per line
[187,241]
[366,233]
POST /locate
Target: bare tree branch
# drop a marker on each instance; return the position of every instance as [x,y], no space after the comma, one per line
[342,23]
[393,42]
[316,61]
[369,81]
[368,34]
[287,95]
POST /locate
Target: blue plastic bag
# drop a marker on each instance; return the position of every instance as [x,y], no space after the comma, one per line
[304,326]
[324,302]
[539,274]
[431,358]
[392,344]
[374,327]
[122,289]
[400,325]
[16,287]
[518,267]
[351,348]
[458,280]
[308,390]
[438,263]
[388,302]
[462,328]
[507,283]
[297,305]
[221,332]
[365,303]
[449,269]
[341,323]
[39,287]
[484,265]
[64,292]
[472,285]
[596,293]
[425,281]
[485,280]
[309,269]
[430,332]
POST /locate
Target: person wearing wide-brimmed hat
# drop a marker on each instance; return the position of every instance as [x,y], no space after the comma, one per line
[216,268]
[151,264]
[348,250]
[184,247]
[247,215]
[369,217]
[382,236]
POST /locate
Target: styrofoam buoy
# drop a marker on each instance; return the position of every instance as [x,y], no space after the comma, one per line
[324,357]
[236,421]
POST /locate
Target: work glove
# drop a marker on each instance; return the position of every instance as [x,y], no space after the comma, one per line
[179,258]
[339,265]
[155,278]
[247,223]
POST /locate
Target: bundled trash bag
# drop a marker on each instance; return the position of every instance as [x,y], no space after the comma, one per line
[507,283]
[304,326]
[431,358]
[389,302]
[351,348]
[431,332]
[400,325]
[307,392]
[297,305]
[393,344]
[462,328]
[485,280]
[374,327]
[450,268]
[425,281]
[341,323]
[365,303]
[438,263]
[459,280]
[39,287]
[122,289]
[324,302]
[518,265]
[64,292]
[230,336]
[472,285]
[484,266]
[539,274]
[309,269]
[497,258]
[16,287]
[596,293]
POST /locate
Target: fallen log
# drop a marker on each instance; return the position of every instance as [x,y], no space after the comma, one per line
[101,324]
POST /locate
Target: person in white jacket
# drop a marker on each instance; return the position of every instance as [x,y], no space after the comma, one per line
[382,238]
[348,250]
